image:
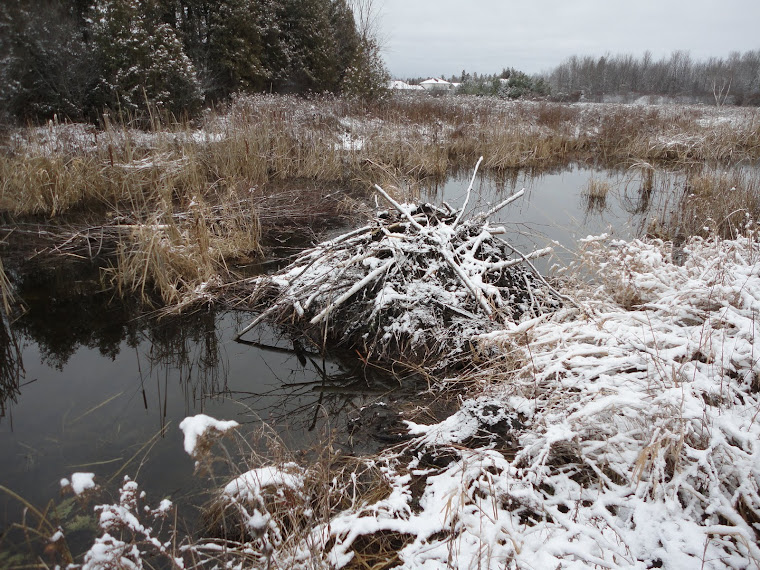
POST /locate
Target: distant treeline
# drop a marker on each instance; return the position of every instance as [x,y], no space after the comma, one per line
[75,58]
[734,80]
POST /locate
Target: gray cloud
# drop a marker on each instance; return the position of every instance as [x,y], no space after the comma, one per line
[428,37]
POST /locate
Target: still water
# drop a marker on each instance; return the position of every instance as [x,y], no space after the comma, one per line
[557,209]
[104,392]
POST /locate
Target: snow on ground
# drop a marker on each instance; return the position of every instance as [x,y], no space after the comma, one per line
[632,433]
[620,432]
[349,142]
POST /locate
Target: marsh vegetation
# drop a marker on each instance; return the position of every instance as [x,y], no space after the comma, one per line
[172,210]
[178,216]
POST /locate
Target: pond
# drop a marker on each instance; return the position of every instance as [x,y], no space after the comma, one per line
[561,207]
[103,391]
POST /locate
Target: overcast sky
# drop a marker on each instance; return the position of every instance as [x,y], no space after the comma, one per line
[434,37]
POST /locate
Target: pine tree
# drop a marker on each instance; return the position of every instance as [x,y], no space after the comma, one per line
[234,49]
[224,41]
[47,69]
[347,39]
[142,62]
[306,33]
[367,77]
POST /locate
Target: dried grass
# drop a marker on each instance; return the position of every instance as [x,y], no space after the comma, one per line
[718,202]
[240,166]
[332,483]
[595,194]
[259,139]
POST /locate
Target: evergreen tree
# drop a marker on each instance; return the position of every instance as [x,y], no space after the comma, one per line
[74,59]
[47,69]
[310,45]
[224,41]
[367,77]
[142,62]
[347,40]
[234,49]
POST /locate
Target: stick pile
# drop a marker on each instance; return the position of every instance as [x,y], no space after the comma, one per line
[418,282]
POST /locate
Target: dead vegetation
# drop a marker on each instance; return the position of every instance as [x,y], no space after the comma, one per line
[724,202]
[595,195]
[179,206]
[182,208]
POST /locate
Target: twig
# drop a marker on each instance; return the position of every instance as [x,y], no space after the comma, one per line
[357,287]
[525,258]
[541,277]
[400,208]
[467,197]
[484,216]
[256,321]
[476,292]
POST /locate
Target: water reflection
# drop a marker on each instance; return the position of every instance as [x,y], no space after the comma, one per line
[594,196]
[637,192]
[11,365]
[104,390]
[323,387]
[564,205]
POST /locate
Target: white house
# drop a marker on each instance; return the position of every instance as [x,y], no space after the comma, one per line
[435,84]
[403,86]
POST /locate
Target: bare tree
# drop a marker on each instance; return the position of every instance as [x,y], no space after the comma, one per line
[368,16]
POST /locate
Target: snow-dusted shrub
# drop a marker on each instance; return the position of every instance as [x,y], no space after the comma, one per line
[637,439]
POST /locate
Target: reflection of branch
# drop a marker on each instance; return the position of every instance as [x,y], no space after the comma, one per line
[276,349]
[11,365]
[324,392]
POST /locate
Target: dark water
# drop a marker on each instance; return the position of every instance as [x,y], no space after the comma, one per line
[104,391]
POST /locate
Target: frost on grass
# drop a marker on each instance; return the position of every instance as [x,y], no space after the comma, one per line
[418,282]
[629,429]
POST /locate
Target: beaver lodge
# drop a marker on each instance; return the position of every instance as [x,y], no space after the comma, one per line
[415,284]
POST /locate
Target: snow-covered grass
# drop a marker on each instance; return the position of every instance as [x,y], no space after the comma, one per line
[263,138]
[620,432]
[200,431]
[633,432]
[625,437]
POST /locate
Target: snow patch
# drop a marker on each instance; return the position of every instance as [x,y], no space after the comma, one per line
[79,482]
[249,485]
[197,427]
